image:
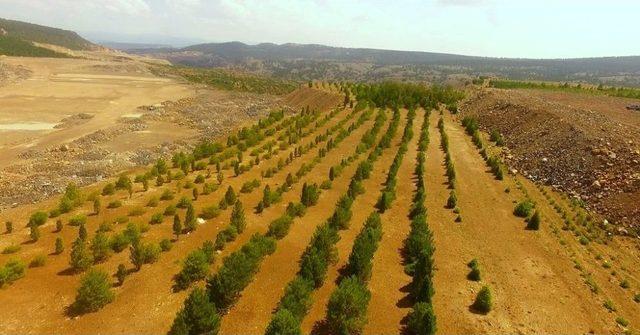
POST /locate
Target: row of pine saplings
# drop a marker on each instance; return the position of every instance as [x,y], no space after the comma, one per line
[238,269]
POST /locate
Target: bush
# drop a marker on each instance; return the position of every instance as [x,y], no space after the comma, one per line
[534,221]
[142,253]
[138,211]
[296,209]
[78,220]
[283,323]
[94,292]
[121,273]
[167,195]
[165,244]
[119,242]
[326,185]
[114,204]
[195,267]
[523,208]
[279,227]
[484,301]
[109,189]
[183,203]
[11,249]
[59,246]
[153,202]
[38,219]
[38,261]
[34,233]
[475,270]
[170,210]
[197,316]
[422,320]
[347,307]
[13,270]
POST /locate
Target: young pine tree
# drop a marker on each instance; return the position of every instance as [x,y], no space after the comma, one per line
[190,223]
[237,217]
[177,226]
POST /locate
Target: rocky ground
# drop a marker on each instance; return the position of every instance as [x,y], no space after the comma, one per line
[588,146]
[88,159]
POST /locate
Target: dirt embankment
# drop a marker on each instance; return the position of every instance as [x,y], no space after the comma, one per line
[586,145]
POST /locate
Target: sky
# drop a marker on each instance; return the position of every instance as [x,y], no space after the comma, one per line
[495,28]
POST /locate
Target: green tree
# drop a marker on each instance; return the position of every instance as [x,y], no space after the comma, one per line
[283,323]
[100,247]
[534,221]
[347,308]
[197,316]
[177,226]
[484,301]
[422,320]
[190,223]
[81,258]
[195,193]
[237,217]
[230,196]
[94,292]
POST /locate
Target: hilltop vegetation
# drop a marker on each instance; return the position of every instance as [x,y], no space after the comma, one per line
[229,80]
[622,92]
[311,61]
[42,34]
[12,46]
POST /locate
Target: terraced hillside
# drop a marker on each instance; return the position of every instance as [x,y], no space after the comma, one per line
[378,213]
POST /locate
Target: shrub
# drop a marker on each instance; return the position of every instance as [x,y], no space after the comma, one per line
[138,211]
[474,274]
[156,218]
[249,186]
[364,246]
[170,210]
[11,249]
[34,233]
[94,292]
[523,208]
[153,202]
[283,323]
[38,218]
[8,227]
[484,301]
[142,253]
[13,270]
[347,307]
[422,320]
[59,246]
[38,261]
[183,203]
[121,273]
[105,227]
[622,321]
[227,235]
[385,200]
[165,244]
[636,298]
[108,189]
[608,304]
[326,185]
[195,267]
[279,227]
[78,220]
[295,209]
[119,242]
[114,204]
[534,221]
[167,195]
[197,316]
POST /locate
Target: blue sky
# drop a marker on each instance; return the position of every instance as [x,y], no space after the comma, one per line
[498,28]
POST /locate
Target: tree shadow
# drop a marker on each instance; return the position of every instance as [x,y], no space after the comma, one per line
[27,242]
[472,308]
[405,302]
[321,328]
[67,272]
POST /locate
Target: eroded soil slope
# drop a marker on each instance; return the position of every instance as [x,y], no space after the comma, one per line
[583,144]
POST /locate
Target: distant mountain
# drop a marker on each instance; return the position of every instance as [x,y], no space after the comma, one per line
[124,46]
[41,34]
[312,61]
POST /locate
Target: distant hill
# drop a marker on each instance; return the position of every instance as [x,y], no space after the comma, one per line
[29,32]
[124,46]
[312,61]
[13,46]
